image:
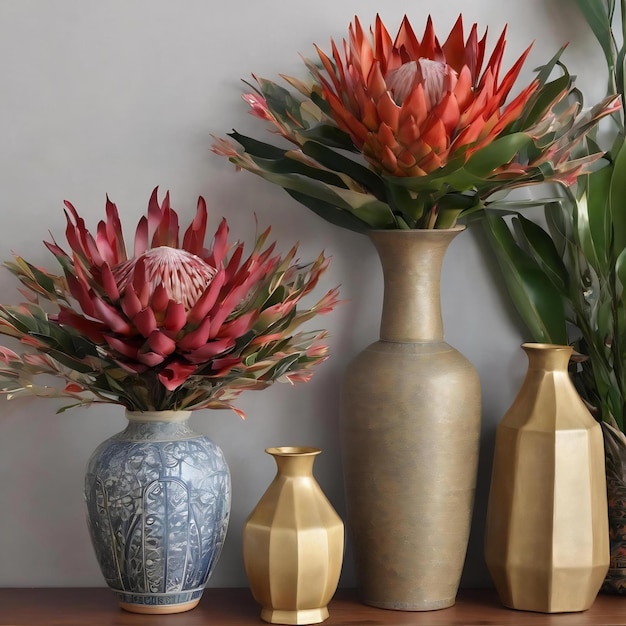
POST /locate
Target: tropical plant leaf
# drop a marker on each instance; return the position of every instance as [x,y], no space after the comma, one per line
[339,163]
[497,153]
[544,252]
[536,298]
[617,199]
[330,212]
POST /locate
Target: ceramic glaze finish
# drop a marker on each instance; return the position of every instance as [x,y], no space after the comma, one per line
[158,502]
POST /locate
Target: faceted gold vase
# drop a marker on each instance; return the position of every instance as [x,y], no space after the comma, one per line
[293,543]
[547,540]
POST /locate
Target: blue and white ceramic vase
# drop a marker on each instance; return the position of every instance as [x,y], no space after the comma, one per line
[158,502]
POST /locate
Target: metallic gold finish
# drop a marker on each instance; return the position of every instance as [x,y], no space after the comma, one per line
[547,537]
[410,435]
[293,543]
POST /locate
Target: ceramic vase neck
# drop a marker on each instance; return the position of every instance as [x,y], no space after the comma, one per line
[547,357]
[411,262]
[294,460]
[158,425]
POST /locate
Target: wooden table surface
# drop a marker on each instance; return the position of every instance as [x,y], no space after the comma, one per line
[230,607]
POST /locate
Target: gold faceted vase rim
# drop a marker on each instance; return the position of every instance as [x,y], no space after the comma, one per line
[288,451]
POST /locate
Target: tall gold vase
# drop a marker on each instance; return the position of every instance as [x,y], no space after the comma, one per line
[293,543]
[410,425]
[547,538]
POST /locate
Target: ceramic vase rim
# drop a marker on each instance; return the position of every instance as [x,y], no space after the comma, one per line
[157,416]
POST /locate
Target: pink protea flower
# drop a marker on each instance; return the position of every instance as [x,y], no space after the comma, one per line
[175,325]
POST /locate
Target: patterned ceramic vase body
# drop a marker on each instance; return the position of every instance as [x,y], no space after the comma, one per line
[615,455]
[410,427]
[547,538]
[158,502]
[293,543]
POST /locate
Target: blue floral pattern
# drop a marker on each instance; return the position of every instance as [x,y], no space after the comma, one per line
[158,502]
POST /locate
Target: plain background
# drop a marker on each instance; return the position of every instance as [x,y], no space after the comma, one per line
[120,96]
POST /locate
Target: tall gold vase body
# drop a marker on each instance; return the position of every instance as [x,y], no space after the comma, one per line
[410,426]
[547,541]
[293,543]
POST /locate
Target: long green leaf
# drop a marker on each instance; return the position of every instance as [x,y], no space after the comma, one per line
[598,14]
[544,252]
[330,212]
[617,197]
[339,163]
[496,154]
[537,300]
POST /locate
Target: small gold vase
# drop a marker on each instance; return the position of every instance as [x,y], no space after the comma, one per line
[547,540]
[293,543]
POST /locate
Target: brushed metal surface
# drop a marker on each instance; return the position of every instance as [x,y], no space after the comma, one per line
[546,541]
[293,543]
[410,425]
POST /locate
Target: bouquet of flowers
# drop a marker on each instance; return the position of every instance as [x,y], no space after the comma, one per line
[408,133]
[168,326]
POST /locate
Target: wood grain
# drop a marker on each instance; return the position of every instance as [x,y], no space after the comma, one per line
[236,607]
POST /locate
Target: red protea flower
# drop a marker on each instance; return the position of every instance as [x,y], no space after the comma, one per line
[175,325]
[411,106]
[434,123]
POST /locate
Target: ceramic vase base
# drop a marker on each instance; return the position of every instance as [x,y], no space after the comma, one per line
[159,610]
[426,605]
[159,603]
[303,616]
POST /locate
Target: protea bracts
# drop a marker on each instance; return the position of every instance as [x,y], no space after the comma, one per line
[436,134]
[167,327]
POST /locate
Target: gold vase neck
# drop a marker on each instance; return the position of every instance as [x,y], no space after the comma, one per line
[547,357]
[411,262]
[294,460]
[157,416]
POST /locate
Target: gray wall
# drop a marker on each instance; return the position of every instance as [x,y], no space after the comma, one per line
[120,96]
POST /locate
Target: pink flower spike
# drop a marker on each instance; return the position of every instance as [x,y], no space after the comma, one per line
[175,317]
[7,355]
[111,317]
[258,106]
[151,359]
[160,343]
[145,322]
[175,374]
[210,350]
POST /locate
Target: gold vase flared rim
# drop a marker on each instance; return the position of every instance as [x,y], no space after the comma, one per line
[554,347]
[293,451]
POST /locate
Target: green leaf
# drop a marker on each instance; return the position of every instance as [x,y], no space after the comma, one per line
[544,252]
[497,153]
[330,136]
[281,102]
[598,14]
[339,163]
[617,199]
[599,215]
[535,297]
[330,212]
[257,148]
